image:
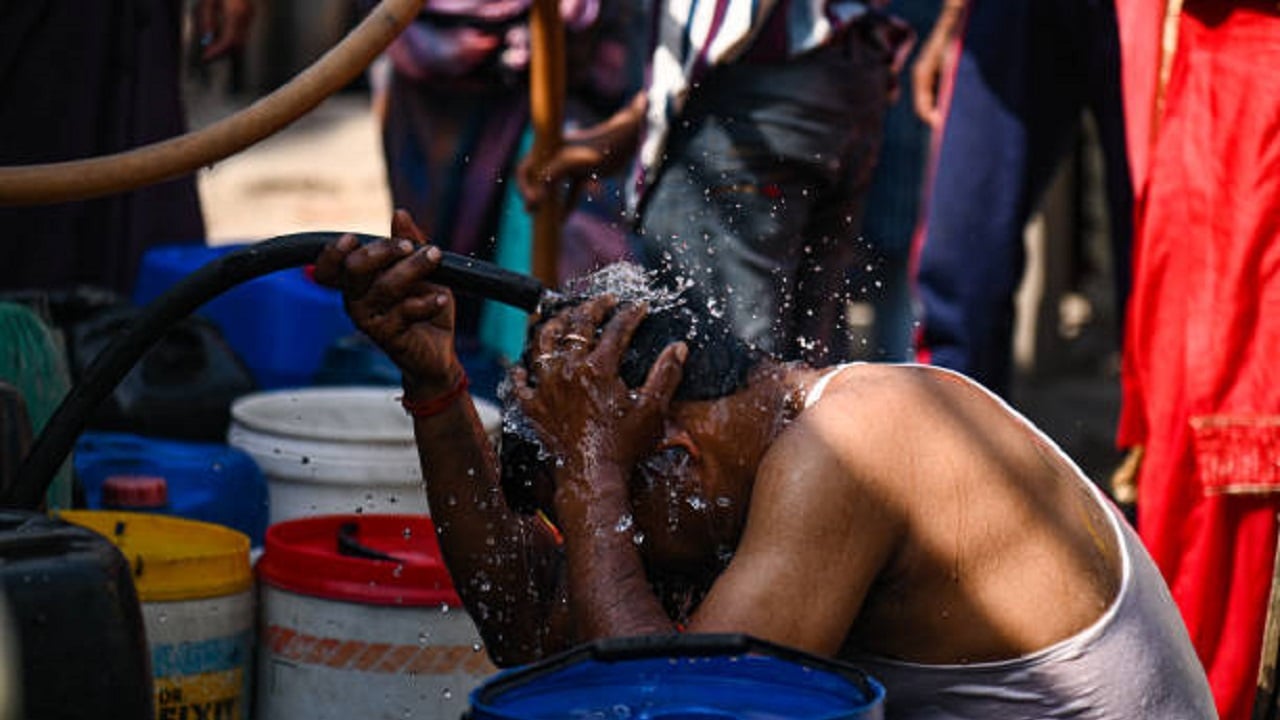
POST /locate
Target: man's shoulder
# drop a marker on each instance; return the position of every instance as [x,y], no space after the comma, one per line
[866,421]
[880,391]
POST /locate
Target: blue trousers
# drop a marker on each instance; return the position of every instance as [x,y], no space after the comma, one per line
[1027,71]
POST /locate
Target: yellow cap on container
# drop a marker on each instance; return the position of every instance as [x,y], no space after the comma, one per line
[173,558]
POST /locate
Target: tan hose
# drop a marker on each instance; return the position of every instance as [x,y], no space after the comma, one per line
[93,177]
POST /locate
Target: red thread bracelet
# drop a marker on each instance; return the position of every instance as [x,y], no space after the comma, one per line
[437,404]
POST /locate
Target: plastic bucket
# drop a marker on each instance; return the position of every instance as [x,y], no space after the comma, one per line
[78,646]
[336,450]
[280,323]
[196,588]
[686,677]
[360,619]
[212,482]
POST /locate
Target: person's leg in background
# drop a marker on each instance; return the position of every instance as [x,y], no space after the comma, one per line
[82,80]
[1018,92]
[1106,103]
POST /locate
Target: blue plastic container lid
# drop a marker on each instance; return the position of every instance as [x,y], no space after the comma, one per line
[212,482]
[688,677]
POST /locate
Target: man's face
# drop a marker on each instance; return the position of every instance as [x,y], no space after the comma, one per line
[690,495]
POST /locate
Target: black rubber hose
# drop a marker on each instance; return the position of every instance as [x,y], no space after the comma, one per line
[463,274]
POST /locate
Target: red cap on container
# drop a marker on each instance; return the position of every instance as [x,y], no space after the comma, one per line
[371,559]
[135,492]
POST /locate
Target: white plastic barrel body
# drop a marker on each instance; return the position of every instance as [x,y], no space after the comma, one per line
[336,450]
[360,618]
[333,660]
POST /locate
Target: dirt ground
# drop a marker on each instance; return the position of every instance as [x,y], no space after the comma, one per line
[324,172]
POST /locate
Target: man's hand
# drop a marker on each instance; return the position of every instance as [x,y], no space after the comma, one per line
[602,149]
[222,26]
[598,429]
[387,294]
[926,73]
[583,411]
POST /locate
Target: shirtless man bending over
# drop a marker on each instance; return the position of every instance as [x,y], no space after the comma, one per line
[669,478]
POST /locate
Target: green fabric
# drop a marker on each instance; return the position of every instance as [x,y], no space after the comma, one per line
[502,328]
[33,360]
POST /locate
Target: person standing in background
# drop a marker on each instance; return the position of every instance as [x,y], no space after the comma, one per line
[454,108]
[84,79]
[1201,393]
[754,139]
[1005,113]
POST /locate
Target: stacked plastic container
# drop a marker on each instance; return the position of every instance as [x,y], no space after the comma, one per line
[357,608]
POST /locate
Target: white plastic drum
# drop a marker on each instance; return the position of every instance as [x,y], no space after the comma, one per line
[336,450]
[360,620]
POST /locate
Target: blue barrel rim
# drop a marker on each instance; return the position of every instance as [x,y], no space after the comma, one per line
[686,646]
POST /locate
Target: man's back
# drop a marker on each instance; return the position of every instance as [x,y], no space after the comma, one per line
[1014,588]
[1134,661]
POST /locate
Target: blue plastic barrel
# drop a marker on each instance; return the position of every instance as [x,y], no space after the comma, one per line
[280,324]
[686,677]
[212,482]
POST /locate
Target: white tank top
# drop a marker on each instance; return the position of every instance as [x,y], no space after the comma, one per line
[1135,661]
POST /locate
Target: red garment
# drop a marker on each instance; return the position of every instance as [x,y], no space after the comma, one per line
[1202,345]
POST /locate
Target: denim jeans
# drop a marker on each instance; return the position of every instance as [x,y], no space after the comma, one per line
[1026,72]
[758,204]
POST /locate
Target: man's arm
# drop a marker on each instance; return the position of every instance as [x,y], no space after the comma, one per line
[819,533]
[602,149]
[926,73]
[222,26]
[503,563]
[597,429]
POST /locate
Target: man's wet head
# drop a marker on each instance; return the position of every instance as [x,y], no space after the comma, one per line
[718,364]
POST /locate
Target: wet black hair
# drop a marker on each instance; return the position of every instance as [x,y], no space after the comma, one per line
[718,365]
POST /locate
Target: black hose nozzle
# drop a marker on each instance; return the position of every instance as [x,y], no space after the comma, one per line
[465,275]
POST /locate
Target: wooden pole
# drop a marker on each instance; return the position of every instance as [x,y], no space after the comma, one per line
[83,179]
[546,104]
